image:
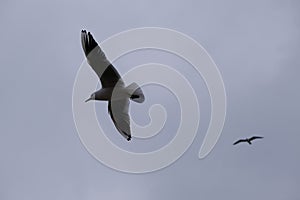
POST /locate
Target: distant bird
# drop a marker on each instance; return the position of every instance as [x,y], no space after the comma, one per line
[113,88]
[248,140]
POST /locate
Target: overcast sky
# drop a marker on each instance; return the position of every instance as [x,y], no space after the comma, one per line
[256,46]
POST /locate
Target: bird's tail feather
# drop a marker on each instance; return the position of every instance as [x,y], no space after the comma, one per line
[136,93]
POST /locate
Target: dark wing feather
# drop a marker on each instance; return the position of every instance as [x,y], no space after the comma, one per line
[118,110]
[239,141]
[96,58]
[255,137]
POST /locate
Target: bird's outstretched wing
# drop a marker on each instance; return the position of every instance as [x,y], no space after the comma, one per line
[255,137]
[118,110]
[239,141]
[96,58]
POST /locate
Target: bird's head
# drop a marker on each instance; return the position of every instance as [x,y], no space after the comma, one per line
[92,97]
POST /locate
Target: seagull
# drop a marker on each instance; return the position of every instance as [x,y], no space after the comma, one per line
[113,88]
[248,140]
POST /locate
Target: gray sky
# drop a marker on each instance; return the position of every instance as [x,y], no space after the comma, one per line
[256,46]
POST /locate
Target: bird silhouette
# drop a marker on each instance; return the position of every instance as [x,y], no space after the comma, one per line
[248,140]
[113,88]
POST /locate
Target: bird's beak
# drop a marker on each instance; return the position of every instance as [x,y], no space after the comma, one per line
[88,99]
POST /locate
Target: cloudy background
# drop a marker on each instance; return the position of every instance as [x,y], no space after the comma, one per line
[256,46]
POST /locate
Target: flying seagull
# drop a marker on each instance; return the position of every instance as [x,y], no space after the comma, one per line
[113,88]
[248,140]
